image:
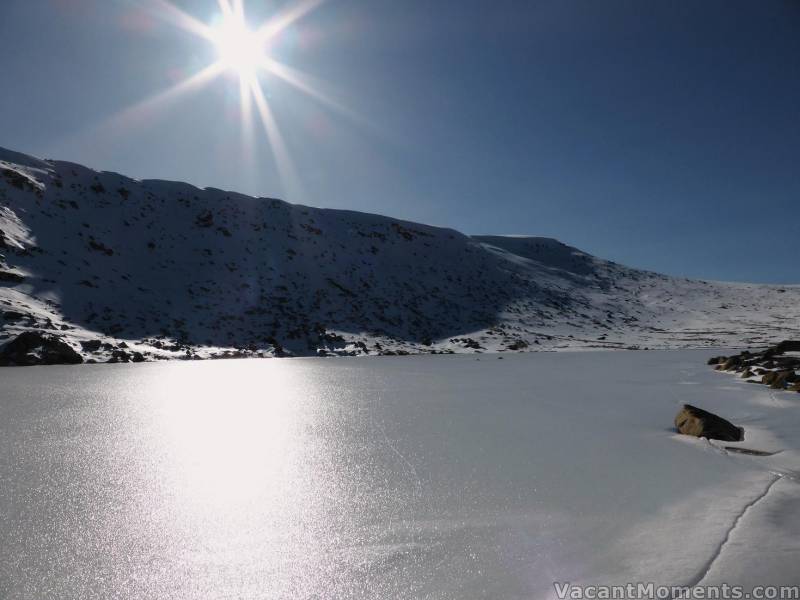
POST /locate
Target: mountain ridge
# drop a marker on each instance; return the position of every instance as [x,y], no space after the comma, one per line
[165,269]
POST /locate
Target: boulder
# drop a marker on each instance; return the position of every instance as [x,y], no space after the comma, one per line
[38,348]
[118,356]
[697,422]
[782,378]
[91,345]
[787,346]
[715,360]
[787,363]
[204,219]
[731,363]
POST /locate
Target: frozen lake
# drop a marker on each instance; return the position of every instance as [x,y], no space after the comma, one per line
[407,477]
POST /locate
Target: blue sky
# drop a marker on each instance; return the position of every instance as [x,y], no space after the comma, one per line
[664,135]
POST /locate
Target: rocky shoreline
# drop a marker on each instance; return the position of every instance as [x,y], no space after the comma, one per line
[777,366]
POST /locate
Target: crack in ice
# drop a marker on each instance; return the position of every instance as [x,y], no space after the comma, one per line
[718,552]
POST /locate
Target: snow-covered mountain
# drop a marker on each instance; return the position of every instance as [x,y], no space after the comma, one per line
[116,266]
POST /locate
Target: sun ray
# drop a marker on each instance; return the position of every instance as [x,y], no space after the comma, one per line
[225,8]
[167,11]
[243,51]
[246,110]
[238,8]
[304,83]
[281,21]
[190,84]
[311,87]
[145,108]
[122,122]
[283,159]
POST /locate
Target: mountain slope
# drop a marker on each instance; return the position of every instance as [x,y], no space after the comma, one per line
[170,270]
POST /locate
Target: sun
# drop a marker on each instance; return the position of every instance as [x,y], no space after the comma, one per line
[239,48]
[246,53]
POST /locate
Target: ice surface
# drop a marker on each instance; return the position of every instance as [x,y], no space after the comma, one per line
[412,477]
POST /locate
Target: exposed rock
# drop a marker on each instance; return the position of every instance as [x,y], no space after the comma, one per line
[16,179]
[774,368]
[697,422]
[778,379]
[91,345]
[786,346]
[100,247]
[769,378]
[38,348]
[11,277]
[731,362]
[204,219]
[788,364]
[782,378]
[118,356]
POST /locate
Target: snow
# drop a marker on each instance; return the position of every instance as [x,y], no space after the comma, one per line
[177,271]
[394,477]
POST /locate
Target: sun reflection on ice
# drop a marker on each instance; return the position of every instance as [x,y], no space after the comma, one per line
[232,438]
[243,483]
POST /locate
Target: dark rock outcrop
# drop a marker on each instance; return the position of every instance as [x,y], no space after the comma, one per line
[697,422]
[787,346]
[91,345]
[38,348]
[772,367]
[11,277]
[118,356]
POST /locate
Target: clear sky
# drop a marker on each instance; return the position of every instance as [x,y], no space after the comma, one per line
[664,135]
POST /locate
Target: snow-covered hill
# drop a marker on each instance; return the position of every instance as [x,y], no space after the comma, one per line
[117,266]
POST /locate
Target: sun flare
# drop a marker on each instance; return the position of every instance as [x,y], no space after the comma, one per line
[239,48]
[248,54]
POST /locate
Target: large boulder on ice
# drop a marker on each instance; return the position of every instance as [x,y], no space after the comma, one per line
[38,348]
[691,420]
